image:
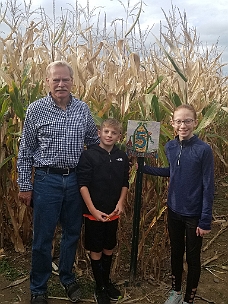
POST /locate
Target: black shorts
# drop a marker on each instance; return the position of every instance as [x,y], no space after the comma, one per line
[100,235]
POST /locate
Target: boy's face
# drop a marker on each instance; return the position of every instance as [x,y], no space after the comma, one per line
[184,123]
[108,137]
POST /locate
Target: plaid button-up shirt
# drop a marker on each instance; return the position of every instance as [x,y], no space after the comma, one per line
[53,137]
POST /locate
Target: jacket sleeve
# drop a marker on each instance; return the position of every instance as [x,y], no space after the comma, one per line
[165,171]
[84,170]
[208,189]
[126,173]
[156,171]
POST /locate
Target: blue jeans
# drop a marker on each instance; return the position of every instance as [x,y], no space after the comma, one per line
[56,199]
[182,230]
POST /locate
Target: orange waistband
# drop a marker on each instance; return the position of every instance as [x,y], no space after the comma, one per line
[92,218]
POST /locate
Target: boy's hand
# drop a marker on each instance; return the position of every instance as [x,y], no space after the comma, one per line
[100,216]
[112,214]
[118,210]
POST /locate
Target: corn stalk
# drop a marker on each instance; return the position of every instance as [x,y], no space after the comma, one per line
[115,79]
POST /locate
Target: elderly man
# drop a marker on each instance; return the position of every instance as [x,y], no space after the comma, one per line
[55,131]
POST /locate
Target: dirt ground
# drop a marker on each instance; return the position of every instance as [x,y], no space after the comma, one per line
[213,286]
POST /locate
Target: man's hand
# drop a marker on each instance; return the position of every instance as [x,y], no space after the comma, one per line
[25,197]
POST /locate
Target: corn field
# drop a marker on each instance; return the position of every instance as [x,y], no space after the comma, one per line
[122,72]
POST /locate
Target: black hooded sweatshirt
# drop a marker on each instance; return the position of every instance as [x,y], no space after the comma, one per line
[104,174]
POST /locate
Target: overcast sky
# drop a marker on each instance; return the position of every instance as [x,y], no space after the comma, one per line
[209,17]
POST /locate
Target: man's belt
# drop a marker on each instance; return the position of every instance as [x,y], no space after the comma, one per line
[61,171]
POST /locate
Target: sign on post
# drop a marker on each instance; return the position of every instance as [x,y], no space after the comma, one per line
[142,138]
[142,141]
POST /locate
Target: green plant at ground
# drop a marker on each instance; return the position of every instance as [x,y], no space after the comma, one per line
[9,271]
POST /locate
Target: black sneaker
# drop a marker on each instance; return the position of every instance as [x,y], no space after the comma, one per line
[39,299]
[101,296]
[113,293]
[73,292]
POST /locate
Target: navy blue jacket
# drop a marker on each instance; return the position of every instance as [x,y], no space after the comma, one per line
[104,174]
[191,172]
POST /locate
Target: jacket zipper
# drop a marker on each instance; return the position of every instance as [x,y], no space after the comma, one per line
[178,160]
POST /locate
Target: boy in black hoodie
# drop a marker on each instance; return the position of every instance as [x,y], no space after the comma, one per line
[103,173]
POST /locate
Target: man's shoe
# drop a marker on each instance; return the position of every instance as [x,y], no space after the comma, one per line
[101,296]
[174,298]
[113,293]
[73,292]
[39,299]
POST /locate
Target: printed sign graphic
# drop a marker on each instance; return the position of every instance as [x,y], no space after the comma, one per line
[142,138]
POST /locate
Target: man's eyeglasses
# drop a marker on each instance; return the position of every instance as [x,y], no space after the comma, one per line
[179,122]
[64,80]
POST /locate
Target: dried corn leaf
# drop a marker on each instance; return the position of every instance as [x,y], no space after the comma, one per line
[17,282]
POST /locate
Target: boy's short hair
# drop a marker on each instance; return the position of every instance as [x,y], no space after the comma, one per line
[111,122]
